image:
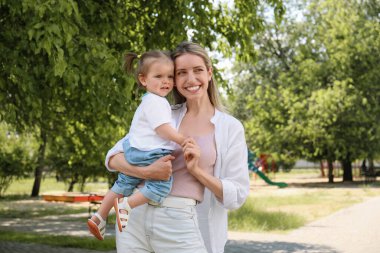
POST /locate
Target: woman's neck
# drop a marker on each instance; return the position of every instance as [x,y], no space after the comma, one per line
[197,107]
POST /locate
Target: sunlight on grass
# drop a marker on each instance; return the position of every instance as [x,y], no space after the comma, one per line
[49,184]
[253,218]
[280,210]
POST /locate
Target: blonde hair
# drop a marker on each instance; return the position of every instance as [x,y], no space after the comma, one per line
[144,62]
[187,47]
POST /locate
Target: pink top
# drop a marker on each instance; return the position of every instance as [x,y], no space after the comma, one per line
[184,184]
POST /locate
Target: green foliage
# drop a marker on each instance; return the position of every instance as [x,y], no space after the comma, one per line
[314,90]
[17,156]
[61,75]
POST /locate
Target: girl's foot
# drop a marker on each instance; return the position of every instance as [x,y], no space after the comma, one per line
[97,226]
[122,210]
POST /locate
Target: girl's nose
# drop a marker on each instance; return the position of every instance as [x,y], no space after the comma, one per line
[166,80]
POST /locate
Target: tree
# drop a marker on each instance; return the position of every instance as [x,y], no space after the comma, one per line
[314,88]
[17,156]
[61,62]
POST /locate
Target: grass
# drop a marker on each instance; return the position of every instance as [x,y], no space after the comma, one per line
[253,218]
[61,241]
[268,208]
[48,184]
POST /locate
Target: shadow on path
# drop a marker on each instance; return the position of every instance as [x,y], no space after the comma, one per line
[275,247]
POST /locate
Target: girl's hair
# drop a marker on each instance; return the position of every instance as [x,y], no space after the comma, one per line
[187,47]
[144,62]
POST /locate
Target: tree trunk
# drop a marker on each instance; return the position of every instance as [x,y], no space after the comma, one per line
[371,166]
[330,171]
[322,169]
[73,182]
[347,169]
[40,166]
[83,183]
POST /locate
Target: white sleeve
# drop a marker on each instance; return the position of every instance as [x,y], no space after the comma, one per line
[157,111]
[235,175]
[118,148]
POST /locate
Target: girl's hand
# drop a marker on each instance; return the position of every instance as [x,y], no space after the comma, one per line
[192,153]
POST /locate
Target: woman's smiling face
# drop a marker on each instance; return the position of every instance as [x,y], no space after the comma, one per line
[192,76]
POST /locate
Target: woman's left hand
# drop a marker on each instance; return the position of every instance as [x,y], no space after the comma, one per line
[192,153]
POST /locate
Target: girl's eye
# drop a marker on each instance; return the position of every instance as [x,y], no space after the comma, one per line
[158,76]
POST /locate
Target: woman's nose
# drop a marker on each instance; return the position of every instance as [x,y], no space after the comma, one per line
[190,78]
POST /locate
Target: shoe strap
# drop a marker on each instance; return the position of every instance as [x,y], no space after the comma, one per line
[102,221]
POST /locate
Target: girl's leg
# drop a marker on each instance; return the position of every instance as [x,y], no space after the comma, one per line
[106,205]
[97,223]
[137,199]
[123,207]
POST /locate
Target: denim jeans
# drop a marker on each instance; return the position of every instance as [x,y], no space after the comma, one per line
[155,190]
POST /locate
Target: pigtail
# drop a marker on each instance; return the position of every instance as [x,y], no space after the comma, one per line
[129,58]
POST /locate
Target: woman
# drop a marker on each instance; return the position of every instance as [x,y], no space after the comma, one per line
[221,169]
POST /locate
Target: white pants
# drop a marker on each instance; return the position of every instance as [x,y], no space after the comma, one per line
[161,230]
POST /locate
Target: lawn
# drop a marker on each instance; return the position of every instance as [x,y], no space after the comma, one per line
[308,198]
[268,209]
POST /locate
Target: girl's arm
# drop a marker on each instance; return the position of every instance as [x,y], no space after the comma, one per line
[166,131]
[192,154]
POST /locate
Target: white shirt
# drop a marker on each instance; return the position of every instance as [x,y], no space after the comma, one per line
[231,167]
[152,112]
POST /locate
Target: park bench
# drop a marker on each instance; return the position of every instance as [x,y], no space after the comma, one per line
[370,175]
[94,200]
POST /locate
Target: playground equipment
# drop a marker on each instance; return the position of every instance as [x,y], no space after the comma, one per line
[254,164]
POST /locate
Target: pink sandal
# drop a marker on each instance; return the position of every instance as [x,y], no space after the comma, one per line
[122,218]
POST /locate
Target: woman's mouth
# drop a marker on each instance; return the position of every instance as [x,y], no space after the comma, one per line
[193,88]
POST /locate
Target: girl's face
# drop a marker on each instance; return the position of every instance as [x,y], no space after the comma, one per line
[160,78]
[192,76]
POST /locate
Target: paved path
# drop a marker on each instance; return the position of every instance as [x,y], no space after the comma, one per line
[352,230]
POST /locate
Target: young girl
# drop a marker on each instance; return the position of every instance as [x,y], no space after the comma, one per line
[150,137]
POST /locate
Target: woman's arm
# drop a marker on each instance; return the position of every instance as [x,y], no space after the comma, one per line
[159,170]
[233,172]
[192,154]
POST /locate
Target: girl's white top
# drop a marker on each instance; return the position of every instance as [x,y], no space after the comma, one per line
[152,112]
[231,168]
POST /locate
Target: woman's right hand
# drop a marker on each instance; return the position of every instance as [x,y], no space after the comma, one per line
[160,169]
